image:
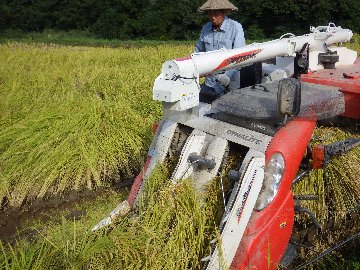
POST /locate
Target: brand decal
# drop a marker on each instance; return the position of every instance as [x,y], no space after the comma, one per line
[258,126]
[236,59]
[244,137]
[240,210]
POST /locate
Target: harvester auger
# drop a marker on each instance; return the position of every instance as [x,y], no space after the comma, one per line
[287,86]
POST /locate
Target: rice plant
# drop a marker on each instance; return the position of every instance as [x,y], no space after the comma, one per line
[337,186]
[338,190]
[74,117]
[172,230]
[174,226]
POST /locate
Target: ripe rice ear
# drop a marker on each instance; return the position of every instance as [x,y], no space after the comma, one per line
[338,185]
[172,230]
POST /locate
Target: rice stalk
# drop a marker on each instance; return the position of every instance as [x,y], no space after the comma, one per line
[338,185]
[74,117]
[176,228]
[338,188]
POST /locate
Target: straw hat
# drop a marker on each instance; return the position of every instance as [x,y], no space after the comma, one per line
[216,5]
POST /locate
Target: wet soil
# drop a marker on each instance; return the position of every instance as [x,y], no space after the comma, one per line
[13,221]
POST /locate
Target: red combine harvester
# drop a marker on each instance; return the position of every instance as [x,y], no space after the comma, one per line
[287,85]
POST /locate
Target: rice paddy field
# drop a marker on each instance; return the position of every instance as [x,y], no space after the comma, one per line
[74,117]
[79,118]
[171,231]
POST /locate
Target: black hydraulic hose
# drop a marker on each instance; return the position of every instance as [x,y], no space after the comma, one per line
[312,216]
[326,252]
[300,176]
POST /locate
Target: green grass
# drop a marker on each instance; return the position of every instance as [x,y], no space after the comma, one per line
[355,43]
[84,38]
[63,244]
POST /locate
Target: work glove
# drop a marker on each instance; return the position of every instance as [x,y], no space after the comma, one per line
[223,79]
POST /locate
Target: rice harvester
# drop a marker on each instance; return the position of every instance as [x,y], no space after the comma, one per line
[287,86]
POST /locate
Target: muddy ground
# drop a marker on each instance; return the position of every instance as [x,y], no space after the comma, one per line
[14,222]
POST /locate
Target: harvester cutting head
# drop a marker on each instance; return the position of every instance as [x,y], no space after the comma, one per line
[267,124]
[269,120]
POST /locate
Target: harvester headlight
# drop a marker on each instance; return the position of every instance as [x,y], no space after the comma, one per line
[274,172]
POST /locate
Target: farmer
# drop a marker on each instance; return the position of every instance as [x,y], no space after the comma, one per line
[220,32]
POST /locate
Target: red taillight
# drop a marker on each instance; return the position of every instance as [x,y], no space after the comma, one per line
[318,155]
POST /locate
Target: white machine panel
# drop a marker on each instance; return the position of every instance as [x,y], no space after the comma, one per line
[215,151]
[194,144]
[239,135]
[240,214]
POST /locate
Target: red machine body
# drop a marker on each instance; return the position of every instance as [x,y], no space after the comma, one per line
[347,78]
[269,231]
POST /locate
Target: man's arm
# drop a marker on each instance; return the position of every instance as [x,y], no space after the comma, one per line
[200,45]
[238,42]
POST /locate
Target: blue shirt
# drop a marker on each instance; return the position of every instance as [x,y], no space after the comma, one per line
[229,36]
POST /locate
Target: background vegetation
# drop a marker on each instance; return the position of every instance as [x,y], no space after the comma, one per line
[161,19]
